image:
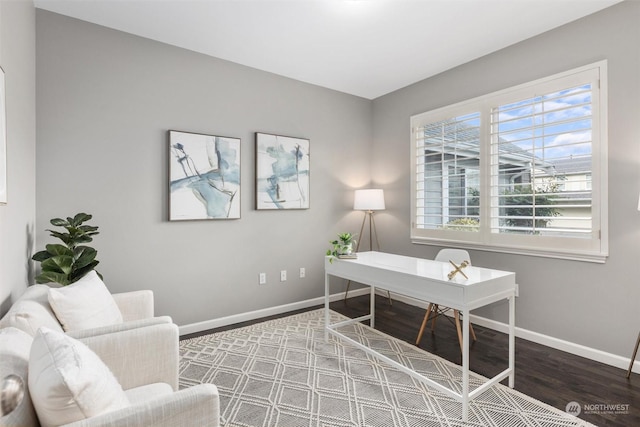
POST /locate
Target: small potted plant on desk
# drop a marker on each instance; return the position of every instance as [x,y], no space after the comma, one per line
[342,247]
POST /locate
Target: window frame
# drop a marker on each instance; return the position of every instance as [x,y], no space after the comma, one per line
[593,249]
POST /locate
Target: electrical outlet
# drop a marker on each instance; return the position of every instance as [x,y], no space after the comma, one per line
[283,275]
[303,273]
[262,278]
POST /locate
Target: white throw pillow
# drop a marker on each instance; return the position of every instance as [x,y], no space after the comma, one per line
[68,382]
[84,304]
[32,311]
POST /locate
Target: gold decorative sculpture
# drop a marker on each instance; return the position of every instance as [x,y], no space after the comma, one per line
[458,269]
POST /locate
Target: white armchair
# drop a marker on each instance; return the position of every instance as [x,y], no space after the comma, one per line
[152,403]
[32,311]
[135,305]
[145,361]
[142,353]
[194,406]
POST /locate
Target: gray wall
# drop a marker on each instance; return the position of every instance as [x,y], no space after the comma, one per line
[17,217]
[595,305]
[106,99]
[105,102]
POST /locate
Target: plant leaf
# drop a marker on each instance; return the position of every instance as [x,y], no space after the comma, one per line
[65,237]
[79,273]
[58,264]
[80,218]
[41,256]
[52,276]
[58,222]
[57,249]
[88,229]
[83,239]
[83,255]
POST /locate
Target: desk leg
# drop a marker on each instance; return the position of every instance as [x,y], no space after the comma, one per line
[326,308]
[465,365]
[372,308]
[512,340]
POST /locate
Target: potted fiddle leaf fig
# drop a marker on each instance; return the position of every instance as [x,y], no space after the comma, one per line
[67,262]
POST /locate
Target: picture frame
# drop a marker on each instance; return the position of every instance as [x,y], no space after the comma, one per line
[282,172]
[3,140]
[204,176]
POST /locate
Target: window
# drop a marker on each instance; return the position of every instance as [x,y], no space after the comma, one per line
[522,170]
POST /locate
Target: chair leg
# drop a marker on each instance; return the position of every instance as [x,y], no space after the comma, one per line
[424,323]
[433,309]
[473,334]
[456,315]
[435,317]
[346,293]
[633,358]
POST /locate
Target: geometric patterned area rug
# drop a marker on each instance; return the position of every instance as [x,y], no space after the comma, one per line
[281,373]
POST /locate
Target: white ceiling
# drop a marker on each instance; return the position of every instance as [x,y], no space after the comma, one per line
[362,47]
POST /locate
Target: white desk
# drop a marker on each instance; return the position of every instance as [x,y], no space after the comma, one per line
[427,280]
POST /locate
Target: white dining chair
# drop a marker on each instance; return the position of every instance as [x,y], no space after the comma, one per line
[434,310]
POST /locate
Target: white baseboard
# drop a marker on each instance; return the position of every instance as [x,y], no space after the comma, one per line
[257,314]
[573,348]
[546,340]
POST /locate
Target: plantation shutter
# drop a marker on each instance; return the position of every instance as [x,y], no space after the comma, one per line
[522,170]
[541,164]
[447,161]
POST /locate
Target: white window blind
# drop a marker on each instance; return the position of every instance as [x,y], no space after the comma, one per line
[522,170]
[541,164]
[448,181]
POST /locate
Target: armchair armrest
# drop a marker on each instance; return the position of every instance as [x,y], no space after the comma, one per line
[140,356]
[194,406]
[109,329]
[135,305]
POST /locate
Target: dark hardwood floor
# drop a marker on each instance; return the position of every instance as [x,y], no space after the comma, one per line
[557,378]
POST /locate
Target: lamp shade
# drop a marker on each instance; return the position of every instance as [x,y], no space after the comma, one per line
[368,200]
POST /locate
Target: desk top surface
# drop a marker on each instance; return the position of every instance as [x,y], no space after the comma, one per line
[423,268]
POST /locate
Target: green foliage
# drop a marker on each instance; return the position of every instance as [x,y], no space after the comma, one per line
[473,202]
[463,224]
[342,245]
[65,264]
[519,209]
[520,201]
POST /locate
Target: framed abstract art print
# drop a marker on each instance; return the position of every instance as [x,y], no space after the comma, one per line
[282,172]
[204,176]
